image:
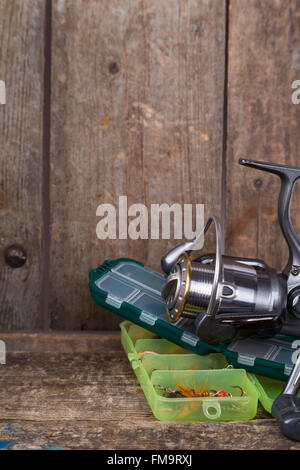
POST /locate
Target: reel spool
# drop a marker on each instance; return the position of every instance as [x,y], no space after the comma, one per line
[222,293]
[191,286]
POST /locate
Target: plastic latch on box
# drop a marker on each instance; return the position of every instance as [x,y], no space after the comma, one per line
[189,339]
[131,357]
[287,369]
[148,318]
[246,359]
[211,409]
[113,301]
[135,365]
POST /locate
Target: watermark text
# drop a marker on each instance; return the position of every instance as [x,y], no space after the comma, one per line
[160,221]
[2,92]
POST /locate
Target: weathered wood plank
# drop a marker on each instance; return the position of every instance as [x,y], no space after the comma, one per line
[137,110]
[263,123]
[91,399]
[61,342]
[143,434]
[21,67]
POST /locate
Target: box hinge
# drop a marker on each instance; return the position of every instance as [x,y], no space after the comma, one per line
[148,318]
[189,338]
[287,369]
[135,365]
[246,359]
[131,357]
[113,301]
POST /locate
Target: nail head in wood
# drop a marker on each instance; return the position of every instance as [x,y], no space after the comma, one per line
[15,256]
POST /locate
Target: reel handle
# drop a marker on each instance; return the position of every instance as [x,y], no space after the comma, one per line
[288,175]
[286,407]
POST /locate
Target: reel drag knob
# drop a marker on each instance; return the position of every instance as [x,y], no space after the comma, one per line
[294,302]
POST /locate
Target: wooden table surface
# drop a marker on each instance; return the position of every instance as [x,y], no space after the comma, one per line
[78,391]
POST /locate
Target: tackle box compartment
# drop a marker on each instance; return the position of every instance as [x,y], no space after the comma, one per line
[268,389]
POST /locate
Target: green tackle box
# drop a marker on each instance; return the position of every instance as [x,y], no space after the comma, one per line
[133,291]
[160,365]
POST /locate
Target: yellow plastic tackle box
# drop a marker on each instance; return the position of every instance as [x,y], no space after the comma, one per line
[161,365]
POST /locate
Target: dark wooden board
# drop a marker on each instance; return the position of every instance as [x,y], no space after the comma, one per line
[21,67]
[73,391]
[263,123]
[137,110]
[142,434]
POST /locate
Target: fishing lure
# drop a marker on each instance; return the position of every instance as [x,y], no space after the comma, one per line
[201,392]
[183,391]
[170,392]
[243,393]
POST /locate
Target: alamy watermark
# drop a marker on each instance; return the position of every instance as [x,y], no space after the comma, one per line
[2,352]
[160,221]
[2,92]
[296,93]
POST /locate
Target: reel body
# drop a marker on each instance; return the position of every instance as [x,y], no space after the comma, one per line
[228,297]
[252,295]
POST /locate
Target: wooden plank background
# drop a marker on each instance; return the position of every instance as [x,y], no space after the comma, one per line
[132,114]
[153,99]
[263,123]
[21,162]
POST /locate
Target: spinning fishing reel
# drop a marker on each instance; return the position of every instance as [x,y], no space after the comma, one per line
[230,296]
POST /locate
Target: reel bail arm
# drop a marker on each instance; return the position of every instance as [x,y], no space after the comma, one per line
[288,175]
[168,260]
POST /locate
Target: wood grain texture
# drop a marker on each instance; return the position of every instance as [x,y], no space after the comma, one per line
[142,433]
[21,67]
[61,342]
[83,395]
[263,123]
[137,110]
